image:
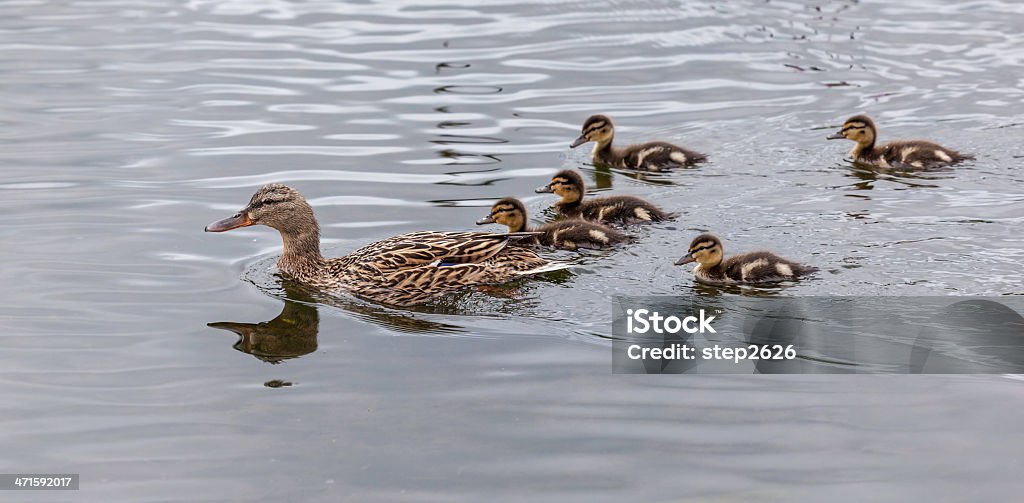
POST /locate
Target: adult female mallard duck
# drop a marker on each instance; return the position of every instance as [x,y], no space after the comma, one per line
[569,185]
[753,267]
[650,156]
[568,234]
[905,154]
[402,270]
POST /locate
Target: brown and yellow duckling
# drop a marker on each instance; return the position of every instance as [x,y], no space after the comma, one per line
[402,270]
[568,234]
[905,154]
[650,156]
[569,185]
[754,267]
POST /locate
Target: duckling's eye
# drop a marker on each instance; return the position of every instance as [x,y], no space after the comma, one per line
[854,128]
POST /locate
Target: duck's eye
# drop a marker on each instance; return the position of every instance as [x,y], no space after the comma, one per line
[265,202]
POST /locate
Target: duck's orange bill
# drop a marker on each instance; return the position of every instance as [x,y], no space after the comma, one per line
[240,219]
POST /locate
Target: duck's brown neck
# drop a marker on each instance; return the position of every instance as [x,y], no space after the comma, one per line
[603,149]
[569,207]
[714,272]
[714,267]
[301,251]
[862,149]
[521,227]
[717,266]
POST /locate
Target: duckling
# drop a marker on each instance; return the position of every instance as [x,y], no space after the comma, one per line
[905,154]
[569,185]
[753,267]
[650,156]
[568,234]
[403,270]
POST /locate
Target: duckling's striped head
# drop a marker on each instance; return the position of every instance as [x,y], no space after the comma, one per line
[859,128]
[274,205]
[567,184]
[509,212]
[706,249]
[597,128]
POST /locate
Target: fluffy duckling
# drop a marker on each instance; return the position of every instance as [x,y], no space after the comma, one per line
[753,267]
[568,234]
[905,154]
[650,156]
[569,185]
[403,270]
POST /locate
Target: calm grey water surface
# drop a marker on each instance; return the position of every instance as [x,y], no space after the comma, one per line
[128,125]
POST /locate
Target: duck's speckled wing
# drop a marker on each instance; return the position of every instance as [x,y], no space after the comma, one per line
[427,247]
[413,268]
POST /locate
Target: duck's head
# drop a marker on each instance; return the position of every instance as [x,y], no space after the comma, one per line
[567,184]
[274,205]
[597,128]
[705,249]
[509,212]
[859,128]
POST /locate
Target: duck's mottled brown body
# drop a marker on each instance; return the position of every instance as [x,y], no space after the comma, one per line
[568,234]
[570,187]
[402,270]
[650,156]
[905,154]
[753,267]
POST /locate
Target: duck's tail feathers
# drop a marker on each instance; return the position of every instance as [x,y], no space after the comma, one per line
[548,267]
[520,235]
[669,216]
[808,269]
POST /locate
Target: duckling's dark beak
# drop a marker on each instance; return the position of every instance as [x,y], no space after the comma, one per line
[543,189]
[579,141]
[240,219]
[686,259]
[485,220]
[837,136]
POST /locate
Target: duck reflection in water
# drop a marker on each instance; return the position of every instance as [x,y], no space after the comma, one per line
[290,335]
[293,333]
